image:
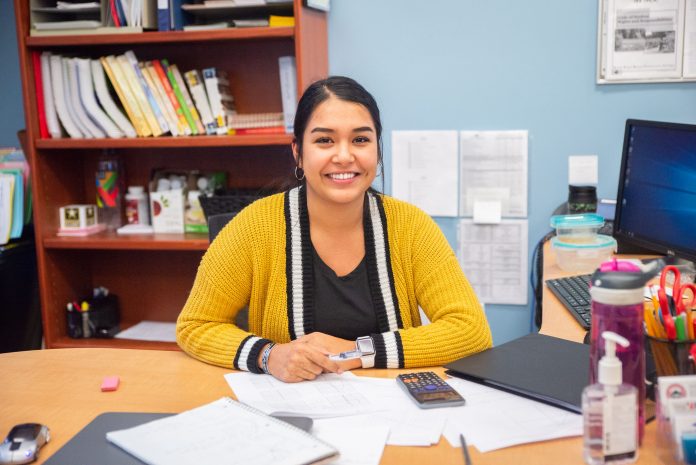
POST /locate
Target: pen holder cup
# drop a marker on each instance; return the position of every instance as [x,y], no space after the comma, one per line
[672,358]
[101,320]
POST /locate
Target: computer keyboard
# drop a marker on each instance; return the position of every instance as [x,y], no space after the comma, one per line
[574,294]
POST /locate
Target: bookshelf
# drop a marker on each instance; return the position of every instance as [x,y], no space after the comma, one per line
[153,274]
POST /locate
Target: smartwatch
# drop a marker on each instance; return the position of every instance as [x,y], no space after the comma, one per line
[366,347]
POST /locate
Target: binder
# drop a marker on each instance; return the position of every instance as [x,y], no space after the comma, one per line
[49,101]
[39,89]
[288,90]
[60,99]
[163,19]
[536,366]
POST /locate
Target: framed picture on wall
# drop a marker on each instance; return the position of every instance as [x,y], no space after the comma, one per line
[646,41]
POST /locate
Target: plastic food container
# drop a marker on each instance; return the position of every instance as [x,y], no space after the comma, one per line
[577,229]
[583,257]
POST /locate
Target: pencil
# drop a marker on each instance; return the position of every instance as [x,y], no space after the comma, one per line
[465,450]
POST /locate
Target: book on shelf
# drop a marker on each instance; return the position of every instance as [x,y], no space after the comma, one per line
[133,84]
[154,106]
[255,120]
[169,91]
[118,81]
[179,97]
[288,90]
[163,101]
[39,90]
[281,21]
[105,100]
[153,99]
[193,80]
[217,86]
[89,101]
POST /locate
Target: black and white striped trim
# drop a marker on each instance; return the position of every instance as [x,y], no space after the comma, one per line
[300,276]
[248,352]
[379,266]
[389,352]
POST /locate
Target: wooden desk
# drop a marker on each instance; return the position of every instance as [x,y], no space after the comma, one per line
[60,388]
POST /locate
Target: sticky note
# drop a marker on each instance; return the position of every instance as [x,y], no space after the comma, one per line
[583,170]
[110,383]
[487,211]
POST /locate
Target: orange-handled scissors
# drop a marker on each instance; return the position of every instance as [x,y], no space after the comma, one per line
[686,306]
[661,292]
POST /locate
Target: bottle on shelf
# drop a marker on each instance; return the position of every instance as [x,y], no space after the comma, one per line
[109,184]
[136,206]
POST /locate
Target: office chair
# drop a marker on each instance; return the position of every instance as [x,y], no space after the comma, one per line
[215,225]
[217,222]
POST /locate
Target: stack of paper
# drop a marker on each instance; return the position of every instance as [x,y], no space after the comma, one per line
[15,194]
[491,419]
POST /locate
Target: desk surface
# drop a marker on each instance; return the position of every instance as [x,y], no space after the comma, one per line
[60,388]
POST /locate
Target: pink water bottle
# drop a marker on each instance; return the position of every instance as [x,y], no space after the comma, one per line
[617,306]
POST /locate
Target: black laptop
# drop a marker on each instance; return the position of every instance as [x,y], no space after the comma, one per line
[539,367]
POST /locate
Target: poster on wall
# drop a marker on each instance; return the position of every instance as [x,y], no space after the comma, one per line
[643,41]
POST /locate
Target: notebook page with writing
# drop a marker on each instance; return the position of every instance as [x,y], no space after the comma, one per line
[221,429]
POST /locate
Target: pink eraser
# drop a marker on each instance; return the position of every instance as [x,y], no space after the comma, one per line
[110,383]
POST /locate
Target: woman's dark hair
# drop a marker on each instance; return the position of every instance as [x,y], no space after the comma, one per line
[342,88]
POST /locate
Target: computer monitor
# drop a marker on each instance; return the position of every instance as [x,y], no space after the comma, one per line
[656,201]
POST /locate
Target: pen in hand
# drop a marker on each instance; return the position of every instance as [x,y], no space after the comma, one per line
[465,450]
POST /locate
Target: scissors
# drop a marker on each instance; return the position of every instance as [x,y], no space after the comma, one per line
[662,294]
[686,307]
[663,300]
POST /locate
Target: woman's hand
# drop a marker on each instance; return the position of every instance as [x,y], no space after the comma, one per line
[333,345]
[299,361]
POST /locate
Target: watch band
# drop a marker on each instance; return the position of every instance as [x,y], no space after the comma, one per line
[367,357]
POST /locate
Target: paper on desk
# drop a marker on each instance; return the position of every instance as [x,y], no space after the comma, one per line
[493,419]
[494,259]
[330,395]
[150,331]
[408,424]
[378,401]
[424,170]
[359,442]
[493,167]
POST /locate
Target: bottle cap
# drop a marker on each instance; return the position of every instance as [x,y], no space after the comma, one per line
[610,365]
[136,190]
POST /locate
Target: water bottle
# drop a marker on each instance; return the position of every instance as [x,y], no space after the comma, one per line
[617,306]
[109,184]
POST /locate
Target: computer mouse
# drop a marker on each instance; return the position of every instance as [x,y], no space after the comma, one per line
[23,442]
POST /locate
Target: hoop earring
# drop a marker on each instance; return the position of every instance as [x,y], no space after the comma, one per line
[299,173]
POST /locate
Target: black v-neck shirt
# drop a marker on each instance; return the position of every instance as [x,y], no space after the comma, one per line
[342,304]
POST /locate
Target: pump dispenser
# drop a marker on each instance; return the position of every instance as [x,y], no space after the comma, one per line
[610,411]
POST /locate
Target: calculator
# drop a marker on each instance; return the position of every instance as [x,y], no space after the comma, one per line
[428,390]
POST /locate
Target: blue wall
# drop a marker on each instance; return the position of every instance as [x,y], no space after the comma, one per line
[12,114]
[494,64]
[465,64]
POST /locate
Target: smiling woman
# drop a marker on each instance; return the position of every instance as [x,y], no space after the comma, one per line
[332,266]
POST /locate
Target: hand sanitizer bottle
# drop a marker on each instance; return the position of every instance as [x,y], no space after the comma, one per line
[610,411]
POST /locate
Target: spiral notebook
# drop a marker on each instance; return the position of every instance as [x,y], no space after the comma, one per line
[221,429]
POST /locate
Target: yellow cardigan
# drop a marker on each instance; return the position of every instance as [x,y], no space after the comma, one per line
[261,259]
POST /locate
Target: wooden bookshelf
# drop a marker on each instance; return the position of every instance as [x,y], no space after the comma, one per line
[152,274]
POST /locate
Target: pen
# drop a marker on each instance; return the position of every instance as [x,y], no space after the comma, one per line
[465,450]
